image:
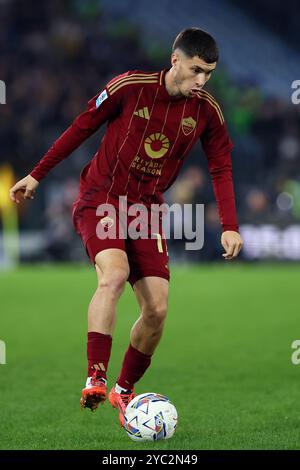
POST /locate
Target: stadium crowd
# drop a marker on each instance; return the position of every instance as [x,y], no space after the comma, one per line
[56,55]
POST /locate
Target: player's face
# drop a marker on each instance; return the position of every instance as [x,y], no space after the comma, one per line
[190,75]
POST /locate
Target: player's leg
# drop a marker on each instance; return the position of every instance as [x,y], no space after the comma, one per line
[149,276]
[152,295]
[109,257]
[112,272]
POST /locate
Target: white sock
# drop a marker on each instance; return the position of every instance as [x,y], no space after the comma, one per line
[89,379]
[119,389]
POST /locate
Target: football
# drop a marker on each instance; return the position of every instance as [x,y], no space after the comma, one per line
[150,417]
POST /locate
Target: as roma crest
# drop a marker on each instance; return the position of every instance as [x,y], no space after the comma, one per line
[188,125]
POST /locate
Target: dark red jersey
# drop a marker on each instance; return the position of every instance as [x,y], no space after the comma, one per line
[149,134]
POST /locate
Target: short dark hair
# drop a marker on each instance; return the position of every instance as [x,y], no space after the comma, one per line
[196,42]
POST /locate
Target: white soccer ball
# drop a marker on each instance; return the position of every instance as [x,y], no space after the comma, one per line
[150,417]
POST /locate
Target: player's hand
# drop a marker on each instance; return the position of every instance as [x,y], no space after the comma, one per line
[27,186]
[232,244]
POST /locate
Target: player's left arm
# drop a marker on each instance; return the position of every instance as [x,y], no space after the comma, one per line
[232,243]
[217,146]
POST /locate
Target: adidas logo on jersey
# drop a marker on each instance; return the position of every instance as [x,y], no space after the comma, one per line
[143,113]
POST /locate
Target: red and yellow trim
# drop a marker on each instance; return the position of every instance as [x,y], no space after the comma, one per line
[204,95]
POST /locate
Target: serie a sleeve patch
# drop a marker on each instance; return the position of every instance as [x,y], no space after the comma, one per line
[101,98]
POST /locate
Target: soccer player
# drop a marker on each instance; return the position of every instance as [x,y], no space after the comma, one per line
[153,121]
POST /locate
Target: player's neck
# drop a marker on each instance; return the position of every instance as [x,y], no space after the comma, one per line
[170,84]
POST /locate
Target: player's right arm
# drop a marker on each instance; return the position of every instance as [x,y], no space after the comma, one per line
[100,109]
[27,186]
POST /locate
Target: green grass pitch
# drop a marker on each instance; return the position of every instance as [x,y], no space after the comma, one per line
[224,360]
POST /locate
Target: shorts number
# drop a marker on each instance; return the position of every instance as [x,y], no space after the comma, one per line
[159,243]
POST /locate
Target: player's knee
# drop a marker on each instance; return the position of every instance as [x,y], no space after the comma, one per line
[114,281]
[155,314]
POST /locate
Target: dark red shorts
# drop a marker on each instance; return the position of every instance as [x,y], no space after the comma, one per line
[146,257]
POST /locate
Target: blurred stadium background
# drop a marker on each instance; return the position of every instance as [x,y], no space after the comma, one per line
[56,55]
[243,316]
